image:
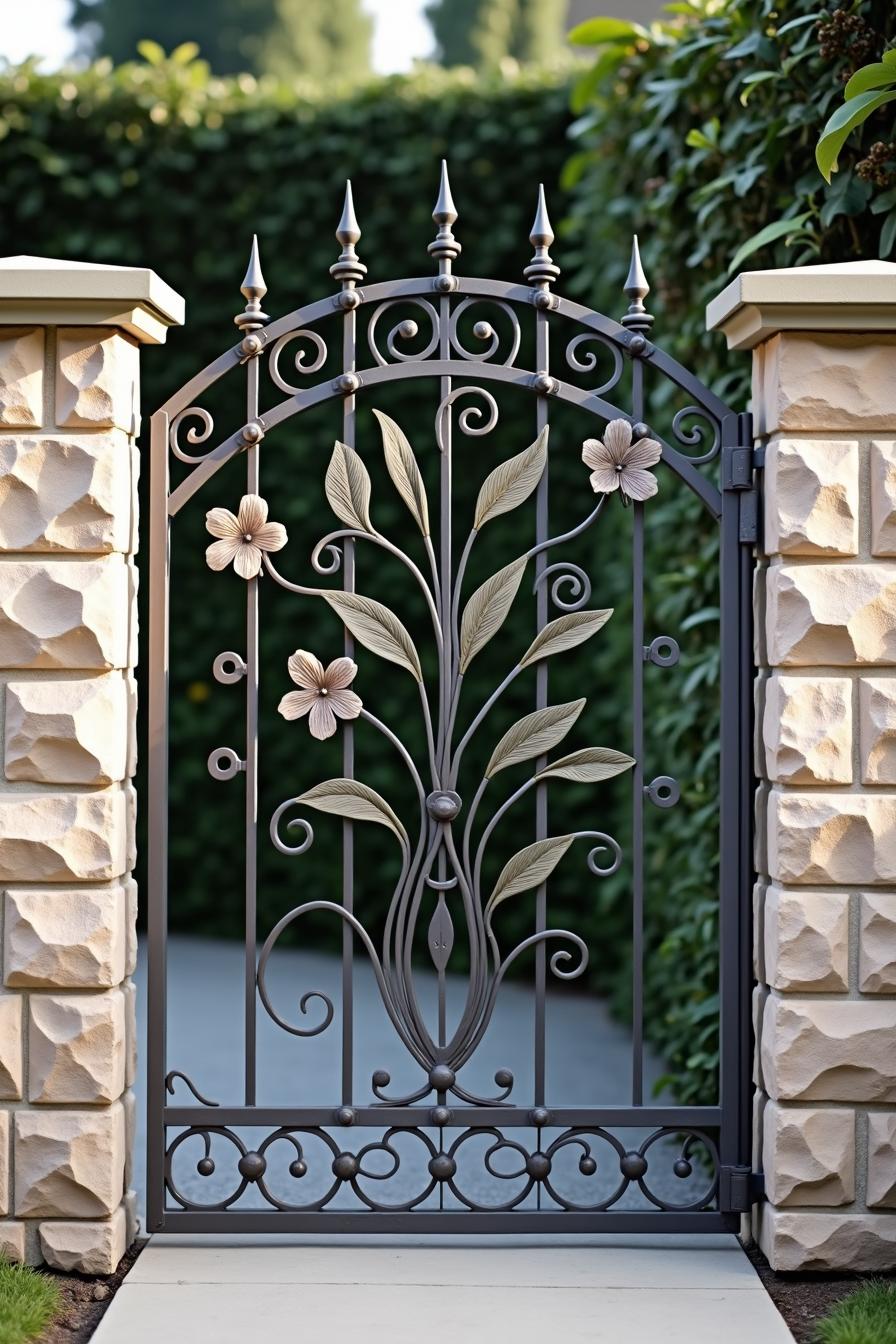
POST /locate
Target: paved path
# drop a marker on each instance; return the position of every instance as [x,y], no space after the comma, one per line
[578,1290]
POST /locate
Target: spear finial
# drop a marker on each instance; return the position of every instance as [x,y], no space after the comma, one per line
[253,290]
[349,269]
[636,290]
[541,269]
[445,246]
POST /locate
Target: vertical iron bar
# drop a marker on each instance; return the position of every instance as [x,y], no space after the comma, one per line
[638,772]
[349,334]
[251,819]
[446,486]
[157,789]
[541,699]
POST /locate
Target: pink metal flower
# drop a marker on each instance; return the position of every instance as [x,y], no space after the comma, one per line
[244,537]
[619,464]
[323,693]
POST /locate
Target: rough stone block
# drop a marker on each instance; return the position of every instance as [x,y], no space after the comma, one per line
[130,964]
[68,732]
[807,730]
[129,993]
[831,615]
[883,497]
[69,1164]
[64,613]
[12,1241]
[11,1059]
[85,1247]
[807,940]
[757,1012]
[877,943]
[96,379]
[877,729]
[65,494]
[54,837]
[4,1162]
[76,1047]
[809,1156]
[829,1049]
[66,938]
[759,890]
[882,1160]
[827,381]
[832,838]
[811,495]
[862,1242]
[132,1220]
[21,376]
[129,1104]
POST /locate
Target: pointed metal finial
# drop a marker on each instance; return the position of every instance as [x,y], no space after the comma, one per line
[636,290]
[542,270]
[253,290]
[349,269]
[445,247]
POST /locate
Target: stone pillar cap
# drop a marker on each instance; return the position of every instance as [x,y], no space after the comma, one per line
[858,296]
[44,291]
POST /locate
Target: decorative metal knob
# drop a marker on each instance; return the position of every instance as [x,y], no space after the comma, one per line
[441,1077]
[538,1165]
[345,1166]
[345,1116]
[252,1166]
[633,1165]
[443,805]
[442,1167]
[440,1115]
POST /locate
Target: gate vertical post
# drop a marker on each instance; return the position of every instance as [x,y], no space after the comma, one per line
[824,371]
[69,417]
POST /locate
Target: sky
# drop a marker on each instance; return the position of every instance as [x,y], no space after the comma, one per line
[39,28]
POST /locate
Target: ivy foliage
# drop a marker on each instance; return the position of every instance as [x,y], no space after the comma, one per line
[699,132]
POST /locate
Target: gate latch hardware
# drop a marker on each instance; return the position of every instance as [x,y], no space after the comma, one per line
[739,1189]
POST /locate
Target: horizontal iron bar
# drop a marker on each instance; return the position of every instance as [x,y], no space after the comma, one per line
[446,1223]
[411,1117]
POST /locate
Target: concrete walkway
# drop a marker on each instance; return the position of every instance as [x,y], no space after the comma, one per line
[574,1290]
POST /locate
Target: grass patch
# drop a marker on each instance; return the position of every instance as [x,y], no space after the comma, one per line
[28,1302]
[867,1316]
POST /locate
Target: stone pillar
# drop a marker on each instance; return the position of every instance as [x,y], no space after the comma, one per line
[69,417]
[824,400]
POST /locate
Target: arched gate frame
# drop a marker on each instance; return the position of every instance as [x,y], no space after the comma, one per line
[434,854]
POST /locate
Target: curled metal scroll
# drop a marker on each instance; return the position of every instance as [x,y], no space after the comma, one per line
[284,848]
[569,576]
[178,1073]
[705,428]
[588,363]
[473,420]
[406,330]
[314,339]
[194,435]
[484,331]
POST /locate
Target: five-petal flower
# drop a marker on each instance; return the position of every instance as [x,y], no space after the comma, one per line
[244,537]
[323,693]
[619,464]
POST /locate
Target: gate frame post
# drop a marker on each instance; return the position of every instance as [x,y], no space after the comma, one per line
[824,354]
[70,334]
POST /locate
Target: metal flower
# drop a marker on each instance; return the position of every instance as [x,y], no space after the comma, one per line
[244,537]
[323,693]
[619,464]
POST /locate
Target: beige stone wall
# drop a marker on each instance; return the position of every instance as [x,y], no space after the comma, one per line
[825,955]
[68,469]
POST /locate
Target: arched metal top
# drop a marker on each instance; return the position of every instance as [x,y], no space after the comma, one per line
[619,340]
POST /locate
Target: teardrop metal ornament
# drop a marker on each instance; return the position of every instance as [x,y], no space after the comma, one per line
[441,935]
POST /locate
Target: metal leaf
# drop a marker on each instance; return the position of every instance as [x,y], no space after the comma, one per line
[349,798]
[511,482]
[377,628]
[534,735]
[487,610]
[565,633]
[347,487]
[528,868]
[402,467]
[588,765]
[441,935]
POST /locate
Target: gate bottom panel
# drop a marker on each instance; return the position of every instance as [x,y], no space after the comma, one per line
[446,1224]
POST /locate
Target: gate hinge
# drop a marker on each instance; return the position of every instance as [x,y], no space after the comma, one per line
[739,1189]
[741,464]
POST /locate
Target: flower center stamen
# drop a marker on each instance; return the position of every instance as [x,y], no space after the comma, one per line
[247,536]
[323,690]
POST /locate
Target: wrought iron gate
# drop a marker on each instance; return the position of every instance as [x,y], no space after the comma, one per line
[237,1163]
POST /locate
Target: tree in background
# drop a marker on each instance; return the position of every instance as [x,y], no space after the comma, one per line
[483,32]
[324,39]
